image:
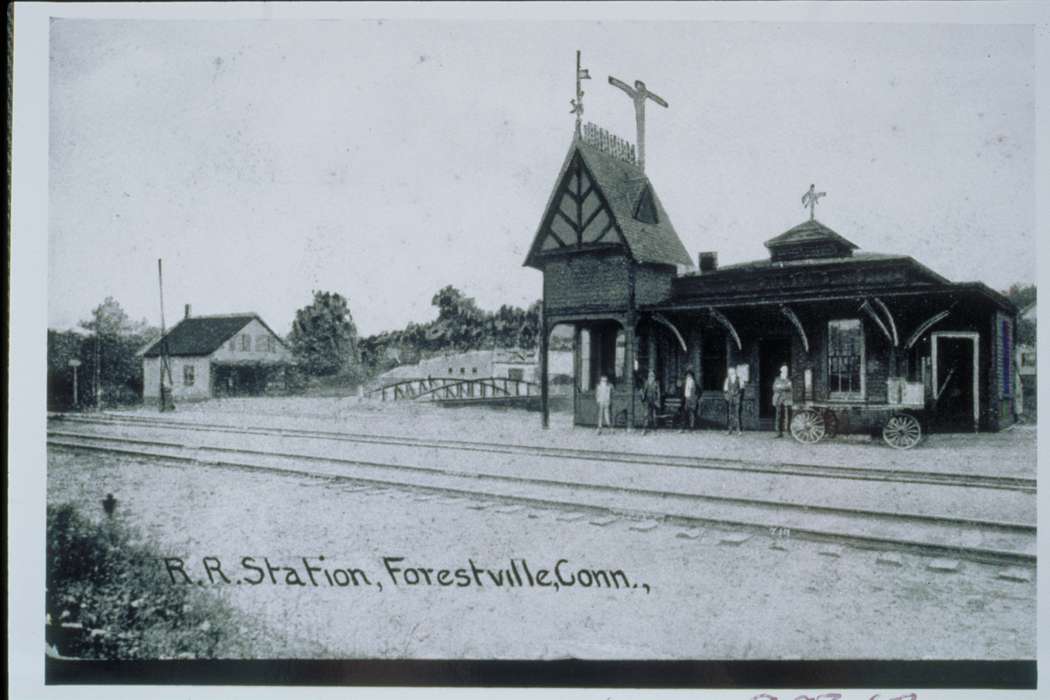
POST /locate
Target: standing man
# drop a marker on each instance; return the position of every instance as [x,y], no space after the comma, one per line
[651,400]
[603,395]
[733,390]
[782,398]
[690,398]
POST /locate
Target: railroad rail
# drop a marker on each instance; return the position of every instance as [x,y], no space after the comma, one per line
[980,539]
[987,481]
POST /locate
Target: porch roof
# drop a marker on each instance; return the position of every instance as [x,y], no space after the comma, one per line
[825,294]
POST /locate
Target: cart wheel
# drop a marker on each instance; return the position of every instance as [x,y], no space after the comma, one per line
[902,431]
[808,427]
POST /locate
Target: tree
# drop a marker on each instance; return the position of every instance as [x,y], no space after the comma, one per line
[323,337]
[460,325]
[107,346]
[1023,295]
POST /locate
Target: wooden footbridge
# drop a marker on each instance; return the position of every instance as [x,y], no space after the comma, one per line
[458,390]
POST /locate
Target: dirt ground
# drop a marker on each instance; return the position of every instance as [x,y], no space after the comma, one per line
[699,594]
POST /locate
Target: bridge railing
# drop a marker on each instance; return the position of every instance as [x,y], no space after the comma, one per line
[454,389]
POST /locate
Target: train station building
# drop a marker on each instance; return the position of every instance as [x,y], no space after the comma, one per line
[867,336]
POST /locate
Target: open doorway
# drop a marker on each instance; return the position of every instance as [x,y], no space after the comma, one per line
[955,381]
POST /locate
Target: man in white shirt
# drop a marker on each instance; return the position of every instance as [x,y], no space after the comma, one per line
[603,395]
[690,398]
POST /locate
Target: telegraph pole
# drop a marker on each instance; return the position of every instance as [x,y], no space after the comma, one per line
[163,340]
[98,371]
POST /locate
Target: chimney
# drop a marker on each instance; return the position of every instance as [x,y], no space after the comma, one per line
[708,262]
[187,311]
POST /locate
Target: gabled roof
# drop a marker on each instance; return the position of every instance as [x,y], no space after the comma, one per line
[809,232]
[203,335]
[622,185]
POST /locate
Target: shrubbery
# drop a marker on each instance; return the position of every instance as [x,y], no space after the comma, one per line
[108,597]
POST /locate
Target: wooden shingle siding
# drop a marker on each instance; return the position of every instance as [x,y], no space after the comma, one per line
[652,283]
[587,282]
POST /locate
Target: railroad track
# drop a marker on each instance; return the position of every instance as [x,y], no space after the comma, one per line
[986,481]
[978,539]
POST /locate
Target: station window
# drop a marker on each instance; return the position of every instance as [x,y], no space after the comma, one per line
[474,371]
[450,370]
[846,359]
[233,343]
[246,342]
[189,375]
[516,374]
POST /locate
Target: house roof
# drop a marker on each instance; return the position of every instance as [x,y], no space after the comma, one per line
[203,335]
[622,184]
[809,232]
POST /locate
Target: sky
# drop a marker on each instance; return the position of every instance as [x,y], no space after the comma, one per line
[386,159]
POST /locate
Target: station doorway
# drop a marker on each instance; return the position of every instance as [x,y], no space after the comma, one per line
[955,381]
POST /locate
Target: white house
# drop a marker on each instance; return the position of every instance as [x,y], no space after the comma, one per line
[233,354]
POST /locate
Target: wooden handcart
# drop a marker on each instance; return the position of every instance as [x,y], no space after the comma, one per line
[900,420]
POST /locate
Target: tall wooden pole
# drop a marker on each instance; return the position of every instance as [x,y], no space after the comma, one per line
[544,370]
[98,371]
[163,364]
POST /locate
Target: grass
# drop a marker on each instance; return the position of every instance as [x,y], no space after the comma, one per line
[108,597]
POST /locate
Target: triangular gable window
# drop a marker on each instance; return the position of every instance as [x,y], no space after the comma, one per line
[646,209]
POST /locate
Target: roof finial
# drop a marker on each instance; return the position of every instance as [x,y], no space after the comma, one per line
[577,104]
[810,200]
[639,94]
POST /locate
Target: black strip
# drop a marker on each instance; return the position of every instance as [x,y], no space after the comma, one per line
[567,673]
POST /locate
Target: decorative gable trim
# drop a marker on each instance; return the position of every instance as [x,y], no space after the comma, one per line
[578,217]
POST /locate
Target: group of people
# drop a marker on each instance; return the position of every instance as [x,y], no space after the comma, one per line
[732,392]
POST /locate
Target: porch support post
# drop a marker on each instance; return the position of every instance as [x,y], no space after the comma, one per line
[628,358]
[544,343]
[652,352]
[577,380]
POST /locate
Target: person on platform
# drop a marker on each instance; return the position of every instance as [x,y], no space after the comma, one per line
[782,397]
[651,401]
[733,391]
[690,399]
[603,395]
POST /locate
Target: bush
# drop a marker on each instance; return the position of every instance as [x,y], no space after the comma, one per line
[109,597]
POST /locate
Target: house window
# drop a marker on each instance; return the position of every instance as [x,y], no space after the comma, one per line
[450,370]
[474,371]
[246,343]
[189,375]
[846,359]
[516,374]
[233,343]
[462,370]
